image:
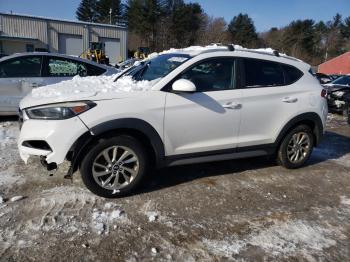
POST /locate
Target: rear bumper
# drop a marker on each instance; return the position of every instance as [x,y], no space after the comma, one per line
[60,135]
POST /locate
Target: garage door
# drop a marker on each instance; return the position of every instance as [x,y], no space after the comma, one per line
[112,47]
[70,44]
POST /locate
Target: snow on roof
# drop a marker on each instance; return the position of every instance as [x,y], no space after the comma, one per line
[197,50]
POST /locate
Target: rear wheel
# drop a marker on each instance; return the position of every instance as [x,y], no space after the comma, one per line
[296,147]
[114,167]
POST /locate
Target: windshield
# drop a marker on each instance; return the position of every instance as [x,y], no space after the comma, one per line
[344,80]
[157,67]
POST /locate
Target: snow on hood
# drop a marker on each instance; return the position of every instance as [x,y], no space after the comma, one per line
[82,87]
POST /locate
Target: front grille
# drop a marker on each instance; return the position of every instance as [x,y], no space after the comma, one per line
[37,144]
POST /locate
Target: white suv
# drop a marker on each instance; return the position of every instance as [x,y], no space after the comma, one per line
[205,105]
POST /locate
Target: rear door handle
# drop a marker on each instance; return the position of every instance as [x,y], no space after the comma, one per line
[232,105]
[290,99]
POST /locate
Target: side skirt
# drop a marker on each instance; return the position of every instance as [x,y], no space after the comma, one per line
[221,155]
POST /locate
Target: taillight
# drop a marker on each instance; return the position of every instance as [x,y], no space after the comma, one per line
[324,93]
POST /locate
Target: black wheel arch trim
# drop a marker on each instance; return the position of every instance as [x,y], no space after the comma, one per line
[77,150]
[305,117]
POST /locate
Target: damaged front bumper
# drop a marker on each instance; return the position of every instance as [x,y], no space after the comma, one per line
[51,139]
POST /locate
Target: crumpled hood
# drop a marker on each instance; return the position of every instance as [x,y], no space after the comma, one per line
[86,88]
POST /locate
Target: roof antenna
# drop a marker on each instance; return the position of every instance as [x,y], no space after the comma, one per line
[275,52]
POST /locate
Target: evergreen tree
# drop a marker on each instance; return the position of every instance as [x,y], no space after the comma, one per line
[109,11]
[299,38]
[87,11]
[335,39]
[346,28]
[242,31]
[186,20]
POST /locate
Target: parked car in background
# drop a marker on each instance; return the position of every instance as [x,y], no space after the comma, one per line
[347,99]
[126,64]
[336,91]
[323,78]
[334,77]
[20,73]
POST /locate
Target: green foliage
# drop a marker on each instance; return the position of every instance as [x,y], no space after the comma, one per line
[162,24]
[242,31]
[298,38]
[87,11]
[310,41]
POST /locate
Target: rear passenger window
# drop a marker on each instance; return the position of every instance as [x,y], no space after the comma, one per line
[292,74]
[61,67]
[260,73]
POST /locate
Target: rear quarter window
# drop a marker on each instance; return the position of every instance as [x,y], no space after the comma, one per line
[292,74]
[94,70]
[262,73]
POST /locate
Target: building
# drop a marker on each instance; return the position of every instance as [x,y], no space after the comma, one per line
[339,65]
[23,33]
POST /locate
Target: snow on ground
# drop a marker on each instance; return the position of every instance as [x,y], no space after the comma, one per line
[8,144]
[281,239]
[183,220]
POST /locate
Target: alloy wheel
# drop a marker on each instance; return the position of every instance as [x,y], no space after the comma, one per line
[115,167]
[298,147]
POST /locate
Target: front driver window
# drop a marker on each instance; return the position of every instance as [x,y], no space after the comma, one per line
[29,66]
[60,67]
[212,75]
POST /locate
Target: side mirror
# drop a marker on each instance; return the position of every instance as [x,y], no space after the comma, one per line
[184,85]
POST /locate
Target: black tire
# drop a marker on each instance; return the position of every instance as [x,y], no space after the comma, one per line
[282,154]
[120,141]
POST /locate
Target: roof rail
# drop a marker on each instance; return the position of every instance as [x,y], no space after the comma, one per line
[231,47]
[275,52]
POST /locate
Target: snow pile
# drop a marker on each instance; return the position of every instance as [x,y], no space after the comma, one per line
[91,85]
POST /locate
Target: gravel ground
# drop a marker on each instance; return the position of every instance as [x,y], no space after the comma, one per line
[246,210]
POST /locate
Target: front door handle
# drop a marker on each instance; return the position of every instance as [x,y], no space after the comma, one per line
[232,105]
[290,99]
[35,85]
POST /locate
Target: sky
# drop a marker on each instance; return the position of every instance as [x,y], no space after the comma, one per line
[265,13]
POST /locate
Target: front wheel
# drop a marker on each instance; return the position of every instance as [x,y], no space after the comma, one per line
[114,167]
[296,147]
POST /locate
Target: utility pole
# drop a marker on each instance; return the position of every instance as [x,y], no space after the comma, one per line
[110,15]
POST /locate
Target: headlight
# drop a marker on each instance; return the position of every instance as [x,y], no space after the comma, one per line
[59,111]
[338,93]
